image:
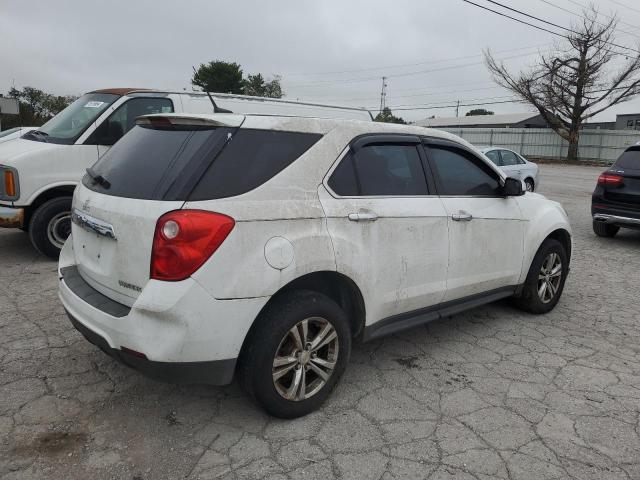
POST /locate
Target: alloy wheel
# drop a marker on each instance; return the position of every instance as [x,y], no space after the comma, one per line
[305,359]
[549,277]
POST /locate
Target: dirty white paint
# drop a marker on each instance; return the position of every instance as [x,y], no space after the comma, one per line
[412,256]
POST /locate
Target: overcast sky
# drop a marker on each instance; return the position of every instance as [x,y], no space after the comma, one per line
[335,51]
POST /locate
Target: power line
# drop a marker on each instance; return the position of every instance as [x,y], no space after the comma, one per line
[513,18]
[428,62]
[578,4]
[624,5]
[543,21]
[398,75]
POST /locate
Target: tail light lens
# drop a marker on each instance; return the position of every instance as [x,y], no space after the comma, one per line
[184,240]
[610,180]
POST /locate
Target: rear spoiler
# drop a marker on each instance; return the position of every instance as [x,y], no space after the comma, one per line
[217,120]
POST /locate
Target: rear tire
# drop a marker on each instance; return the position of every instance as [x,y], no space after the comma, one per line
[605,229]
[545,282]
[50,226]
[281,353]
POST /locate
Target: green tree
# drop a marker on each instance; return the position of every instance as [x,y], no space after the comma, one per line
[36,107]
[255,85]
[479,111]
[387,116]
[219,76]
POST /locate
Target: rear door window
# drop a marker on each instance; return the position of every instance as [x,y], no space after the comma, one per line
[380,170]
[494,156]
[509,158]
[251,158]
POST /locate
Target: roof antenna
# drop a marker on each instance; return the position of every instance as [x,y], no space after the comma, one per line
[216,108]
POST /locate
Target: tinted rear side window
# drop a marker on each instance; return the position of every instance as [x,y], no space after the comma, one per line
[251,158]
[156,164]
[343,179]
[629,159]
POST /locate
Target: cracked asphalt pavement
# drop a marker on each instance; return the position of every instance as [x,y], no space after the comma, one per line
[493,393]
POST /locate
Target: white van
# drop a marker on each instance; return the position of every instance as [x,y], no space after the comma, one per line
[40,170]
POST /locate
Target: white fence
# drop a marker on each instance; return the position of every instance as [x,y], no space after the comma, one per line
[598,145]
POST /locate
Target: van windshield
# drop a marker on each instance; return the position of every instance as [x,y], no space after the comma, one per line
[71,122]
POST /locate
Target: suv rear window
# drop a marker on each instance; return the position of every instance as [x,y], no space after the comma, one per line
[629,159]
[250,159]
[155,164]
[195,163]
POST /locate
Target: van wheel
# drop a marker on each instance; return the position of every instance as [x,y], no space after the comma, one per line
[50,226]
[296,354]
[605,229]
[545,281]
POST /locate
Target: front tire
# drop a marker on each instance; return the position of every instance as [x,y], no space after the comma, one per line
[296,354]
[545,281]
[605,229]
[50,226]
[529,185]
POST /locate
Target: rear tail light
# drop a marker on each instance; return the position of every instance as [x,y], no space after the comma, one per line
[610,180]
[9,184]
[184,240]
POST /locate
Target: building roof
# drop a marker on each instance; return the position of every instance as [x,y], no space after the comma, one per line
[506,119]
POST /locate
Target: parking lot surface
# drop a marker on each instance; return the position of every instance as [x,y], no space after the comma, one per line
[493,393]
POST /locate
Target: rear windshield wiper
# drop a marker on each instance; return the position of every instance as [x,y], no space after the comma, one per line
[97,178]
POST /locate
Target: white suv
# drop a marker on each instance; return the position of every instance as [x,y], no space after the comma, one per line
[208,245]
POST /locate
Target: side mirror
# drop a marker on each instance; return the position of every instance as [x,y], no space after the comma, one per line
[109,132]
[512,187]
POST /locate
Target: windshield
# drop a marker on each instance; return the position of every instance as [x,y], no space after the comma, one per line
[10,131]
[71,122]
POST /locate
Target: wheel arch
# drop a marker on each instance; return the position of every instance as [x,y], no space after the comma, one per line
[63,190]
[337,286]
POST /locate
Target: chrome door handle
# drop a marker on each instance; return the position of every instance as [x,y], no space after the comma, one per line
[461,216]
[363,217]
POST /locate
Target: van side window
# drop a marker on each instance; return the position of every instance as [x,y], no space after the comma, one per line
[124,118]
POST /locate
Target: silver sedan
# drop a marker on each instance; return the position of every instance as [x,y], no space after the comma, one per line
[514,165]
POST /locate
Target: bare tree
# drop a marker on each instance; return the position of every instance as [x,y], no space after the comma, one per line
[575,81]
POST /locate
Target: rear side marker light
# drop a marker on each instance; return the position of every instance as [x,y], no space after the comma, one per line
[9,183]
[610,180]
[184,240]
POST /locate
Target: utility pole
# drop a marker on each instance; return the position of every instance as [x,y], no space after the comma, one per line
[457,107]
[383,94]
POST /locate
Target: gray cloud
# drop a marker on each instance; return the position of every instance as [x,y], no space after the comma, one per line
[72,46]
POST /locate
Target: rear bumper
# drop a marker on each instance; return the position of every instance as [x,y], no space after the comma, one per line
[605,212]
[11,217]
[617,220]
[218,372]
[185,336]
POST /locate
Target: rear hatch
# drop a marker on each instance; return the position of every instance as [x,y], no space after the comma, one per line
[628,167]
[149,172]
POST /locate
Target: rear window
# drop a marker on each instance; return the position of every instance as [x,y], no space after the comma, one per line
[191,163]
[156,164]
[629,159]
[250,159]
